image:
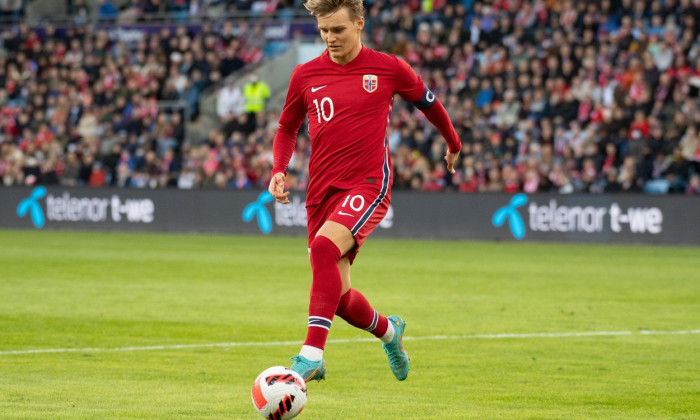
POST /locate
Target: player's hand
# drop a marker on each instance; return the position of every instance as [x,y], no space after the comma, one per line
[276,188]
[451,159]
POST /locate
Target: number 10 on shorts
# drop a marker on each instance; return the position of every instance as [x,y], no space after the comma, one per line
[356,202]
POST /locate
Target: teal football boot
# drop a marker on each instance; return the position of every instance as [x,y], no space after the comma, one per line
[398,359]
[308,369]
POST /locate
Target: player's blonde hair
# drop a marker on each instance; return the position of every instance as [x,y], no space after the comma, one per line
[327,7]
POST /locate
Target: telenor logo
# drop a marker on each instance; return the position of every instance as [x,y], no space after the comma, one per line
[31,205]
[258,209]
[510,212]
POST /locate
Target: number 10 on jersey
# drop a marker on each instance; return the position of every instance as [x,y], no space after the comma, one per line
[324,109]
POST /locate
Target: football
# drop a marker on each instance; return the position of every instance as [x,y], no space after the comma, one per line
[279,393]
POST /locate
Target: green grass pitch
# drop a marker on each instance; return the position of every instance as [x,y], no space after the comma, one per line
[115,308]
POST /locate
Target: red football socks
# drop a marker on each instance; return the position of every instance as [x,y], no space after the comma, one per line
[326,287]
[356,310]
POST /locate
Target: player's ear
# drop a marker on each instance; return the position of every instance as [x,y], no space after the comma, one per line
[361,23]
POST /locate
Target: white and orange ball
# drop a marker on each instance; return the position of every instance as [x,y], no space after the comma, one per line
[279,393]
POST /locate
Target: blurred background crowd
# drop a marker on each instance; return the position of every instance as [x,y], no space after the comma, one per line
[547,96]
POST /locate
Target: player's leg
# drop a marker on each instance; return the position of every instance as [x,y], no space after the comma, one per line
[361,211]
[344,267]
[356,309]
[337,229]
[358,312]
[330,242]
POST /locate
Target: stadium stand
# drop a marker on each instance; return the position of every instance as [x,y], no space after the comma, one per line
[548,96]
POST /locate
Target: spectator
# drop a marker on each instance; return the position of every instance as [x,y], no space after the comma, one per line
[690,144]
[694,185]
[98,176]
[11,9]
[231,61]
[106,10]
[133,11]
[179,9]
[79,10]
[256,92]
[508,111]
[676,172]
[230,102]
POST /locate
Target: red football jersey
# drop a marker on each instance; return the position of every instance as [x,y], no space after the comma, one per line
[349,109]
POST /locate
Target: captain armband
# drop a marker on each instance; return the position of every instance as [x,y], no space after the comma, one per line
[425,101]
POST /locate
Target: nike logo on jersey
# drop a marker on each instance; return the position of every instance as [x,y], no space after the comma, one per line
[342,213]
[316,89]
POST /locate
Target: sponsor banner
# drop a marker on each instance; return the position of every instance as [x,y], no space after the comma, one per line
[623,218]
[520,217]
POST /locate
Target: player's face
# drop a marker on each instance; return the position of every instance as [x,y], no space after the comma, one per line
[341,35]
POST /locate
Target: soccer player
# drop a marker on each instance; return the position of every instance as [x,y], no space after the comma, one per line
[347,93]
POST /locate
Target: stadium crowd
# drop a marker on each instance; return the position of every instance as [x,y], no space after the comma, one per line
[548,96]
[180,10]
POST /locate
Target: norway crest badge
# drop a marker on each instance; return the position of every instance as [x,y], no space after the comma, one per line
[370,82]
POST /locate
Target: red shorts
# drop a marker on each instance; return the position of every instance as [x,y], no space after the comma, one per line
[360,210]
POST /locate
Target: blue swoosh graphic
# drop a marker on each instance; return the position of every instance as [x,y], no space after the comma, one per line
[31,205]
[510,212]
[258,210]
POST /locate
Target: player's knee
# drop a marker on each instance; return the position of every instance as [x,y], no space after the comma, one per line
[323,248]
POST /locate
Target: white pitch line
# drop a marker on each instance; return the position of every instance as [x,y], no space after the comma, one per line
[347,340]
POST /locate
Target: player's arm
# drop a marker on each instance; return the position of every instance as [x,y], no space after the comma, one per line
[285,140]
[437,115]
[414,90]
